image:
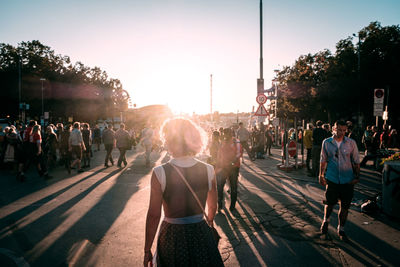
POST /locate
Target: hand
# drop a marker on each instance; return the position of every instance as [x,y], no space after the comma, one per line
[355,180]
[322,180]
[148,258]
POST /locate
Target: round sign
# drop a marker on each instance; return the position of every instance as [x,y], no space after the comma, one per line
[378,93]
[292,148]
[261,99]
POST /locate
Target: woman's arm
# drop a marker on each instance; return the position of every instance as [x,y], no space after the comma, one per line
[212,202]
[153,217]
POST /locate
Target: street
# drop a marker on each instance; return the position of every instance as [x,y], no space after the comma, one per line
[97,218]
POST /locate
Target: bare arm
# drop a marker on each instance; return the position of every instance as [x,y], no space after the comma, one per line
[153,217]
[322,169]
[212,202]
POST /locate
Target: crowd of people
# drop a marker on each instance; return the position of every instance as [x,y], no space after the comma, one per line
[69,145]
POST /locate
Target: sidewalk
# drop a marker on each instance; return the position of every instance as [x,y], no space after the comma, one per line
[278,220]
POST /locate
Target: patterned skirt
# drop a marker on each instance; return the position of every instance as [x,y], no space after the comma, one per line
[187,245]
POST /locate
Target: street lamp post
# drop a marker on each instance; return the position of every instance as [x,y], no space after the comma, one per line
[358,77]
[42,80]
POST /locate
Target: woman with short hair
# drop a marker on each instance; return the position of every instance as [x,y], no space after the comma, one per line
[185,238]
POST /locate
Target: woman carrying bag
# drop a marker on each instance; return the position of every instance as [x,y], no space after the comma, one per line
[182,186]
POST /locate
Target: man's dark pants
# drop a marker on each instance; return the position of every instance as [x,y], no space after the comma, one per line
[246,147]
[109,148]
[122,157]
[308,160]
[232,175]
[316,154]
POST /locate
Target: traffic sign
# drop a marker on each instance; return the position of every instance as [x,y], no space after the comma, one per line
[261,99]
[378,102]
[292,148]
[261,111]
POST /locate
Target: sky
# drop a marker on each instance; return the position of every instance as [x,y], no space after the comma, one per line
[164,51]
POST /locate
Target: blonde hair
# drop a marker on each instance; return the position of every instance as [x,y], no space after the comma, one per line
[183,137]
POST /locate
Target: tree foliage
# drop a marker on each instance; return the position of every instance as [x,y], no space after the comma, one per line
[333,86]
[70,89]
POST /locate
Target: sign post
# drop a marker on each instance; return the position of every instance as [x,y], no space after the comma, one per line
[378,103]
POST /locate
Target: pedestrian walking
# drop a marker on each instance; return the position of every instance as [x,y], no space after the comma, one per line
[270,138]
[123,140]
[214,146]
[228,164]
[66,155]
[87,140]
[76,146]
[318,135]
[307,141]
[36,153]
[185,237]
[50,147]
[109,144]
[244,136]
[339,172]
[371,145]
[97,137]
[147,141]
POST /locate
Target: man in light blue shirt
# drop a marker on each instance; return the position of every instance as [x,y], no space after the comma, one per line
[339,172]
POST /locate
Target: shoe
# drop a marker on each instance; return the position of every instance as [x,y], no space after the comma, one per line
[112,162]
[47,176]
[81,170]
[342,235]
[324,228]
[106,166]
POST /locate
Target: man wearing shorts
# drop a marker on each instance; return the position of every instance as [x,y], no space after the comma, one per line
[339,172]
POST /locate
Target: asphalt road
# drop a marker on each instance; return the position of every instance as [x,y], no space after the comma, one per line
[97,218]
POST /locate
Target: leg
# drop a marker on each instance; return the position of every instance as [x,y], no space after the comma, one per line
[233,181]
[331,198]
[308,159]
[124,157]
[120,157]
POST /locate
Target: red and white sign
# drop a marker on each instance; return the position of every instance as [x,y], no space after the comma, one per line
[292,148]
[261,99]
[261,111]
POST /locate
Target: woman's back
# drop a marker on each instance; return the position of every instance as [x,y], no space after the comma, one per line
[178,200]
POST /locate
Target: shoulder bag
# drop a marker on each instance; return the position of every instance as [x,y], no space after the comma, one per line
[214,231]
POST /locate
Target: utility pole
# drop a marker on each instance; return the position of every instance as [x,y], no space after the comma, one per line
[19,89]
[260,81]
[211,109]
[42,80]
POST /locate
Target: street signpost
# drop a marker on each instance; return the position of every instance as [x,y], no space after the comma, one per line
[261,99]
[261,111]
[292,148]
[378,103]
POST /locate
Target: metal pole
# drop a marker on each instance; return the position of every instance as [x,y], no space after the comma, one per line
[359,80]
[42,80]
[211,107]
[19,88]
[261,41]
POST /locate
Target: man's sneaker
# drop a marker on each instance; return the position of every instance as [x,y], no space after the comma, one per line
[81,170]
[324,228]
[342,235]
